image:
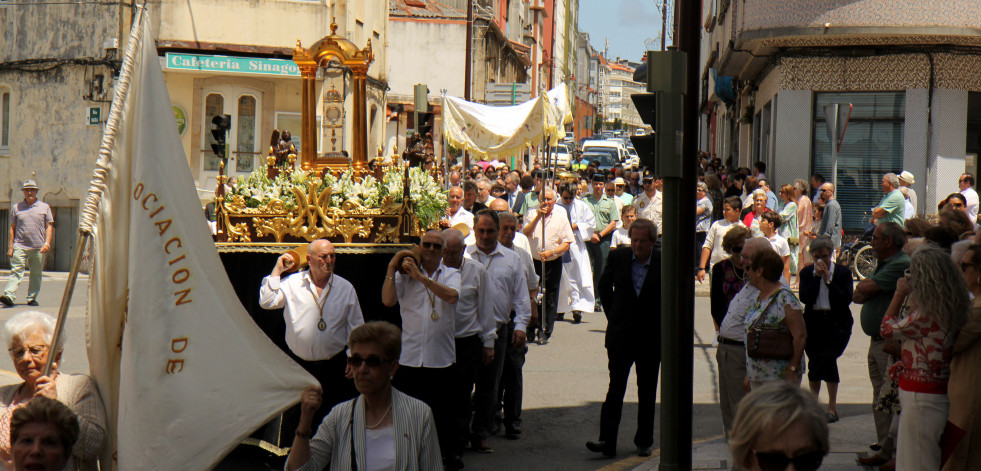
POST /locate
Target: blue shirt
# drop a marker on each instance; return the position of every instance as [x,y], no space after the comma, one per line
[638,271]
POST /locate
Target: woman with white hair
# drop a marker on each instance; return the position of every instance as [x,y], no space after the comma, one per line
[752,219]
[28,339]
[938,308]
[776,425]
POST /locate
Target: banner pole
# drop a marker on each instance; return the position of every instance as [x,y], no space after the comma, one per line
[97,184]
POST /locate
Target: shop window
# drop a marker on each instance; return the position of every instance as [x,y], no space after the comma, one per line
[4,118]
[245,147]
[873,146]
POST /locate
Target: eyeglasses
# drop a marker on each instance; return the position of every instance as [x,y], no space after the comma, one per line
[373,361]
[737,249]
[965,265]
[432,245]
[35,351]
[779,461]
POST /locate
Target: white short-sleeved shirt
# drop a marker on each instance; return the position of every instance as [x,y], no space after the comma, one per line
[972,204]
[298,295]
[780,245]
[620,237]
[427,342]
[473,311]
[713,240]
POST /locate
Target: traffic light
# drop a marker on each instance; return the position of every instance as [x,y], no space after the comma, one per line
[221,123]
[646,104]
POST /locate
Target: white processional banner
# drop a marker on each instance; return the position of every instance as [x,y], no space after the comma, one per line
[184,371]
[502,131]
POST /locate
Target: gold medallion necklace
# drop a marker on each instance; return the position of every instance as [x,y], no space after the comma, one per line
[320,303]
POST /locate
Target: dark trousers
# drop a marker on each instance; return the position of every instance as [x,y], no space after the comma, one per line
[337,389]
[647,364]
[434,386]
[469,358]
[553,277]
[828,333]
[699,241]
[598,254]
[488,381]
[512,379]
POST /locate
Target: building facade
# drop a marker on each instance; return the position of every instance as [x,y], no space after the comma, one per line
[908,73]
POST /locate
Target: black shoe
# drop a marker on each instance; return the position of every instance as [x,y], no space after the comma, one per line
[32,303]
[512,433]
[645,450]
[560,317]
[542,340]
[875,446]
[576,317]
[6,301]
[453,463]
[601,446]
[832,418]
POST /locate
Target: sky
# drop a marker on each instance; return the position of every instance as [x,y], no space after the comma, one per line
[626,23]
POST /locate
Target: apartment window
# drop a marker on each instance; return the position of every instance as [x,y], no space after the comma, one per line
[873,146]
[4,117]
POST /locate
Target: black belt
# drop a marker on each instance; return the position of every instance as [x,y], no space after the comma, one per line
[822,310]
[726,341]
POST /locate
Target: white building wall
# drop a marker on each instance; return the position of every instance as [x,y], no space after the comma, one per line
[947,145]
[915,146]
[429,53]
[792,133]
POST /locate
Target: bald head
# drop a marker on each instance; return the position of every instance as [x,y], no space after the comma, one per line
[453,248]
[498,205]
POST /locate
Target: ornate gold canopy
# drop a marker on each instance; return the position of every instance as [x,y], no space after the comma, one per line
[339,49]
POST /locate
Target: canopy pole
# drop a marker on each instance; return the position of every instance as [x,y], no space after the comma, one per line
[97,184]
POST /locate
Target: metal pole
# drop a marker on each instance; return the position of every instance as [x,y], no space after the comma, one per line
[66,298]
[833,125]
[678,291]
[664,24]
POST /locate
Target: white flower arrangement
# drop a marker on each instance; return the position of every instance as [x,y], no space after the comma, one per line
[428,198]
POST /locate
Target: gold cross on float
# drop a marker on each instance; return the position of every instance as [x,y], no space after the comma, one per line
[339,49]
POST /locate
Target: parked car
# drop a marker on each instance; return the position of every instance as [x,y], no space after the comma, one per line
[633,160]
[614,145]
[605,158]
[563,158]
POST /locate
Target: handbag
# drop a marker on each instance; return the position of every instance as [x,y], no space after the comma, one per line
[769,343]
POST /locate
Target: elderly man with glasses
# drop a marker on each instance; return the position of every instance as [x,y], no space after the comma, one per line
[831,217]
[427,292]
[550,234]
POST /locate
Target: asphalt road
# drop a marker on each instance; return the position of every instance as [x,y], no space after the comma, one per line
[565,384]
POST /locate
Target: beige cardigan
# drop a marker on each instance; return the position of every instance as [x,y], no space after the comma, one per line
[80,394]
[964,391]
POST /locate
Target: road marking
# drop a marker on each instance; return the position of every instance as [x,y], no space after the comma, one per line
[635,460]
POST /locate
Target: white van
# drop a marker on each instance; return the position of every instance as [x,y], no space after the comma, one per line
[608,144]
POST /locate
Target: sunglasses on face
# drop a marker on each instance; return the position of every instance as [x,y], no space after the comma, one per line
[373,361]
[737,249]
[779,461]
[432,245]
[965,265]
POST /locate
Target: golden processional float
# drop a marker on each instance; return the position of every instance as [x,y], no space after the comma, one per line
[328,196]
[282,206]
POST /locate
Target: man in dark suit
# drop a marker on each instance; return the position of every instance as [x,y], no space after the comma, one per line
[630,289]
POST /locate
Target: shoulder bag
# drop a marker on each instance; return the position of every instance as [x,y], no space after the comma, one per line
[769,343]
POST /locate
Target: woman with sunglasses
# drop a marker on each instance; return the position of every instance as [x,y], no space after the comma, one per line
[938,308]
[777,425]
[964,387]
[381,428]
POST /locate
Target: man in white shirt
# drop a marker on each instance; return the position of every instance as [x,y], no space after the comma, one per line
[320,310]
[550,235]
[906,180]
[476,330]
[512,377]
[649,203]
[483,191]
[509,302]
[426,294]
[966,184]
[455,214]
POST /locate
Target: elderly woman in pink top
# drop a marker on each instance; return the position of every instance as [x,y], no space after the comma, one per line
[938,306]
[805,216]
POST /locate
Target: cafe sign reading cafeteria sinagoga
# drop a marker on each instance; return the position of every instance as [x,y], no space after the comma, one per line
[238,65]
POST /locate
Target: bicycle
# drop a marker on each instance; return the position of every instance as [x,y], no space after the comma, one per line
[859,256]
